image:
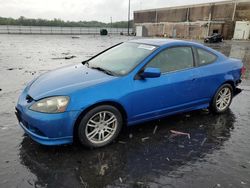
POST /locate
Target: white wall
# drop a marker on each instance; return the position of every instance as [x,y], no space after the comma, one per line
[242,30]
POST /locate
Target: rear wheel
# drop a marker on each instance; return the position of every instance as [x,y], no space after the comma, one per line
[222,99]
[100,126]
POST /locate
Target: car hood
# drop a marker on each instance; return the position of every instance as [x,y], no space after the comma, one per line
[66,80]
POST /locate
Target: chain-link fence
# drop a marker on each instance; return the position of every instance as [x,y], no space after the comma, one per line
[15,29]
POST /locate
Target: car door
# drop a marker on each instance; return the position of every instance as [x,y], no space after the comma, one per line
[173,91]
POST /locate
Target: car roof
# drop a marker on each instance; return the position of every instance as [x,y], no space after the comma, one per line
[162,42]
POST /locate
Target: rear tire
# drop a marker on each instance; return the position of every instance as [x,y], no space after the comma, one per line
[100,126]
[222,99]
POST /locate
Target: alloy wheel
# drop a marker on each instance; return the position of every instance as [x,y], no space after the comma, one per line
[101,127]
[223,99]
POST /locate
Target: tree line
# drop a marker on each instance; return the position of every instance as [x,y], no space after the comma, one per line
[58,22]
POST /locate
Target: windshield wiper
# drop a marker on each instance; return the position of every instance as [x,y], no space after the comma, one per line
[86,63]
[104,70]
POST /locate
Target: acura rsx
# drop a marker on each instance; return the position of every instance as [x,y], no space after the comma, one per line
[129,83]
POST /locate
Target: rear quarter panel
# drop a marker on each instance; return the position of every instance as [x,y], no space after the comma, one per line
[212,76]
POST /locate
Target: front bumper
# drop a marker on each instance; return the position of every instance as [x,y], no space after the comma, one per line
[47,129]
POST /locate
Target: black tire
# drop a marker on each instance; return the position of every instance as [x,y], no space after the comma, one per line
[213,107]
[81,131]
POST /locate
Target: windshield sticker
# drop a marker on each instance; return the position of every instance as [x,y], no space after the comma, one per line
[146,47]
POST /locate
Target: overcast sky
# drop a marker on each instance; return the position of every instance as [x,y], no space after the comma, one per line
[76,10]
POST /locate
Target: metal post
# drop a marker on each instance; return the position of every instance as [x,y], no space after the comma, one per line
[110,24]
[156,16]
[235,4]
[128,14]
[187,19]
[209,19]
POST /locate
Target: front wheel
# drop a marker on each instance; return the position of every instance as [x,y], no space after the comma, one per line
[222,99]
[100,126]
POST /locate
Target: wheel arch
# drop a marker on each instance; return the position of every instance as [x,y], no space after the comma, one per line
[111,103]
[231,82]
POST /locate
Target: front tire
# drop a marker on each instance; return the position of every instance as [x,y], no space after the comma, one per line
[222,99]
[100,126]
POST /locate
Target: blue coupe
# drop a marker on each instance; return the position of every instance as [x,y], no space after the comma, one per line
[129,83]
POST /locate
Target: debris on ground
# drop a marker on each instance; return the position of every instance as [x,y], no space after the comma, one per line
[120,179]
[243,166]
[203,142]
[145,138]
[243,183]
[75,37]
[82,182]
[31,72]
[188,115]
[168,159]
[155,129]
[180,133]
[10,69]
[121,142]
[66,57]
[70,57]
[103,169]
[130,136]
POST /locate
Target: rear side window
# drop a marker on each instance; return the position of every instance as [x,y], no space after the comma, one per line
[173,59]
[205,57]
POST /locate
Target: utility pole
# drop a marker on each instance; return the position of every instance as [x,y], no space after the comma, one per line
[235,4]
[128,14]
[110,24]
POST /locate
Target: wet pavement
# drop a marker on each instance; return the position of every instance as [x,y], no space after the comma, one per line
[147,155]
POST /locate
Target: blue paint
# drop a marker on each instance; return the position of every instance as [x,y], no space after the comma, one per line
[142,99]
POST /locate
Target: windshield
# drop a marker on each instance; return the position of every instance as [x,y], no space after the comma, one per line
[121,59]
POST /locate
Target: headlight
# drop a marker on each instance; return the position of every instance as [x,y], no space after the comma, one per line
[51,105]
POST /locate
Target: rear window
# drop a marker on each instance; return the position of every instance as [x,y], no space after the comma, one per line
[205,57]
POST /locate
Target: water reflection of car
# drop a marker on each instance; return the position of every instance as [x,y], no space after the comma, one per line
[133,161]
[127,84]
[214,38]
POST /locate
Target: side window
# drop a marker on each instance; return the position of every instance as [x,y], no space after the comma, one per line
[172,59]
[205,57]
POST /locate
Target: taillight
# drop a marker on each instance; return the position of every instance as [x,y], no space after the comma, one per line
[243,72]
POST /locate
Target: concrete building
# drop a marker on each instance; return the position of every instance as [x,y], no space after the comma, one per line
[193,21]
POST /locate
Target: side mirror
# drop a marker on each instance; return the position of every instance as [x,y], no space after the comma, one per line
[150,72]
